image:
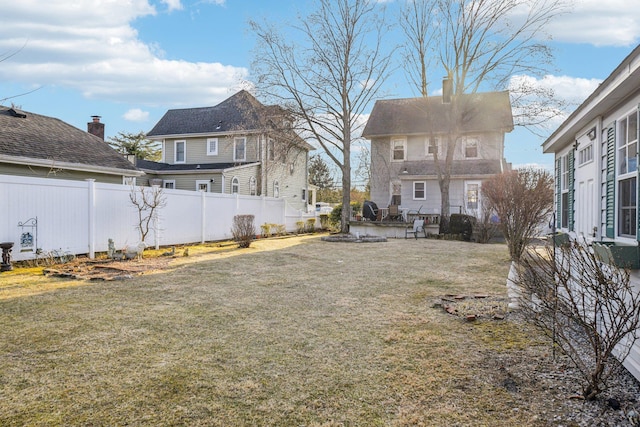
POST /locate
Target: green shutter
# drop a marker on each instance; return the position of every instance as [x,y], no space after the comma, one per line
[570,215]
[611,181]
[638,174]
[558,193]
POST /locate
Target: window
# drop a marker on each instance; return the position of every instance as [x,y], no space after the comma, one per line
[235,185]
[212,146]
[472,195]
[169,184]
[180,151]
[432,147]
[276,189]
[304,194]
[252,186]
[398,147]
[471,148]
[627,203]
[585,154]
[129,180]
[419,190]
[628,144]
[240,149]
[202,185]
[271,150]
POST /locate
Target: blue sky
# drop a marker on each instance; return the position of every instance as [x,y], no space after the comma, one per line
[131,60]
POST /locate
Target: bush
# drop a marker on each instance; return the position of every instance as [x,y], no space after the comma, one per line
[243,230]
[281,229]
[266,230]
[311,225]
[463,225]
[300,227]
[324,221]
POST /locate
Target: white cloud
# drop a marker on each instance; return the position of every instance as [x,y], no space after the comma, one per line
[173,4]
[136,115]
[90,46]
[599,22]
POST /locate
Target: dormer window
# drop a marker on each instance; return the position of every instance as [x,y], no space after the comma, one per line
[398,149]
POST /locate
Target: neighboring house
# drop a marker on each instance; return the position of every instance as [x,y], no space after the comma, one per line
[41,146]
[238,146]
[596,166]
[405,134]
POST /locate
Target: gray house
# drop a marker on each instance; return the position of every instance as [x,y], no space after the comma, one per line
[238,146]
[406,133]
[46,147]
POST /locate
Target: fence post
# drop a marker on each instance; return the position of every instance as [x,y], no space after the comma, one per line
[203,214]
[91,211]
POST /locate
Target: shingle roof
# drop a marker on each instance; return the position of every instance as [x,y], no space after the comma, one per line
[33,136]
[460,167]
[241,111]
[167,168]
[488,111]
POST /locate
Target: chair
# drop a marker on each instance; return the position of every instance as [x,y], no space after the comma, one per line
[417,227]
[414,214]
[394,212]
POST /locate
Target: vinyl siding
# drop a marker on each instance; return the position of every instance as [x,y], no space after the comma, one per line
[53,172]
[196,149]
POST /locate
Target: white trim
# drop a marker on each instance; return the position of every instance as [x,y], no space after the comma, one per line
[48,163]
[211,152]
[276,189]
[175,151]
[424,190]
[235,181]
[465,141]
[169,181]
[404,148]
[203,181]
[253,186]
[235,141]
[467,184]
[129,180]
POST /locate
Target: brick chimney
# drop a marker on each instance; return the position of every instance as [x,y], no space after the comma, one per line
[95,127]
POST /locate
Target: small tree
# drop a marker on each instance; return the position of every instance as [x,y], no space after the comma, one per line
[147,201]
[136,144]
[589,309]
[243,230]
[523,200]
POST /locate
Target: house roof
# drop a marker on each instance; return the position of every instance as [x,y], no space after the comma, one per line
[158,167]
[487,111]
[29,138]
[622,83]
[476,167]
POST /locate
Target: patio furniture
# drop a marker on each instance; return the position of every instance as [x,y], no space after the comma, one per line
[394,213]
[417,227]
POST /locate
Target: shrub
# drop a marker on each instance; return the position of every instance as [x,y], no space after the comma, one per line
[243,230]
[266,229]
[462,225]
[300,227]
[281,229]
[311,225]
[324,221]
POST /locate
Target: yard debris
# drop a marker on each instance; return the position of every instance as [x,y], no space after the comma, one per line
[473,307]
[105,270]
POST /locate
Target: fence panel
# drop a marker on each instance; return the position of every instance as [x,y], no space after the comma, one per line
[81,216]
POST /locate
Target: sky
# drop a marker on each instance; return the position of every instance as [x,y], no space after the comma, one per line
[129,61]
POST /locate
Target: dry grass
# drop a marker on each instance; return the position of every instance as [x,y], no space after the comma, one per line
[288,332]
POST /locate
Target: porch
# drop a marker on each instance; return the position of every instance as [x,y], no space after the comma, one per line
[396,228]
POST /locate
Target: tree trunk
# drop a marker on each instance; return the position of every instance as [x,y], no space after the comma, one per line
[513,288]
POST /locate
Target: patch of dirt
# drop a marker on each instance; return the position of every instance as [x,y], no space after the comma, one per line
[107,269]
[473,307]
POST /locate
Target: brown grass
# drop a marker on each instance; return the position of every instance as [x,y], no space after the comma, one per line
[287,332]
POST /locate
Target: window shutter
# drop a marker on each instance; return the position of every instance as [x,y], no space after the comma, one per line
[638,175]
[611,180]
[558,193]
[571,188]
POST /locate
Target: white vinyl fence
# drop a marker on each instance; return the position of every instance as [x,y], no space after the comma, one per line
[81,216]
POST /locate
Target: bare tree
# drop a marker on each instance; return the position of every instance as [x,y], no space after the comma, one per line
[523,200]
[589,309]
[147,201]
[243,230]
[478,44]
[330,78]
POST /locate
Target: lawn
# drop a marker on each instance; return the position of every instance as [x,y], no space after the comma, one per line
[294,332]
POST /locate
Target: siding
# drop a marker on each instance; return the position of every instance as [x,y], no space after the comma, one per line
[54,173]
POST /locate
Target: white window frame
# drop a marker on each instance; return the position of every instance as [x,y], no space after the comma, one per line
[564,191]
[466,142]
[172,182]
[403,142]
[304,194]
[253,188]
[428,145]
[212,151]
[129,180]
[467,185]
[625,172]
[424,190]
[585,154]
[276,189]
[184,151]
[235,148]
[235,185]
[206,182]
